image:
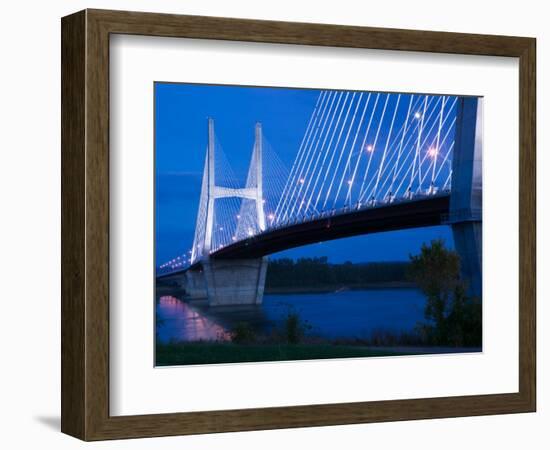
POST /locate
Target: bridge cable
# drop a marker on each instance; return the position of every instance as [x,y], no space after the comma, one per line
[311,154]
[300,149]
[298,181]
[336,151]
[319,153]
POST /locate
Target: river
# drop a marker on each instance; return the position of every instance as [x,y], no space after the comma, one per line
[346,314]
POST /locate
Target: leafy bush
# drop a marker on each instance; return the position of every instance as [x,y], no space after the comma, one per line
[295,328]
[243,333]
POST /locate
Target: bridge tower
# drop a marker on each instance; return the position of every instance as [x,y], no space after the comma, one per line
[236,281]
[466,191]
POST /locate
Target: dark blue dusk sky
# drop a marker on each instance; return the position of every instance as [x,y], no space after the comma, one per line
[181,112]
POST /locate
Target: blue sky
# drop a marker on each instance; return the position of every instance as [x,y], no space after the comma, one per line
[181,112]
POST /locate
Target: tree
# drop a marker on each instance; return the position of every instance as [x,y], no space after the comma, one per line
[453,318]
[464,322]
[436,272]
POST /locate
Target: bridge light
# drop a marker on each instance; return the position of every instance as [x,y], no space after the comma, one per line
[238,216]
[233,238]
[301,181]
[432,152]
[271,216]
[350,182]
[417,115]
[370,148]
[250,232]
[221,228]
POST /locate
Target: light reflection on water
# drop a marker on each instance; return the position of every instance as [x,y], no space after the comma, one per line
[179,321]
[348,314]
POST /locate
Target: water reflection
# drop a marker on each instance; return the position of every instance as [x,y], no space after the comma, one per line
[347,314]
[179,321]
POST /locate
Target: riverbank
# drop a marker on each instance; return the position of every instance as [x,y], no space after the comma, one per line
[177,354]
[330,288]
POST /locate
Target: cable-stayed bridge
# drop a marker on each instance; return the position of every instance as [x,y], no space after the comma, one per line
[368,162]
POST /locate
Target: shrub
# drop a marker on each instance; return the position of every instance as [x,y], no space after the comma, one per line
[295,328]
[453,317]
[243,333]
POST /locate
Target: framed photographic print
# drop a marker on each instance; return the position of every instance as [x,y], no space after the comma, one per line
[270,224]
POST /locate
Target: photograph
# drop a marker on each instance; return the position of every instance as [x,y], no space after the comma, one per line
[302,224]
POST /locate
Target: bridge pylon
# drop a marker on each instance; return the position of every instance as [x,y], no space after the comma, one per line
[227,282]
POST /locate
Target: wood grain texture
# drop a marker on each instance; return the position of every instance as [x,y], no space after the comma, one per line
[85,224]
[527,224]
[73,227]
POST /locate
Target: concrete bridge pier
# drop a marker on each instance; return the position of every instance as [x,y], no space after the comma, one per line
[195,284]
[235,281]
[468,243]
[465,208]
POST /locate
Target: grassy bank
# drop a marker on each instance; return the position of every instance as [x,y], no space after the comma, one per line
[176,354]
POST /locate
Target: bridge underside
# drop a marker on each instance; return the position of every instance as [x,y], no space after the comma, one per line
[423,212]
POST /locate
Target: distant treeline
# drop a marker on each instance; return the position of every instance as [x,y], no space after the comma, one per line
[309,272]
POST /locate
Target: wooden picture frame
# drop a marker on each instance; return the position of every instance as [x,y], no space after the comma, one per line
[85,224]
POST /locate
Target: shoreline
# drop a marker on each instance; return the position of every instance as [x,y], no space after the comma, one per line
[327,289]
[162,289]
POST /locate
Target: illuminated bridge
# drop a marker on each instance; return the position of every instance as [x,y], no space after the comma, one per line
[367,163]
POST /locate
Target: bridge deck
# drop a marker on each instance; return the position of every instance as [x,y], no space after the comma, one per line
[423,212]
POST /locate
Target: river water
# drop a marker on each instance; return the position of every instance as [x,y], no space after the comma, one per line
[346,314]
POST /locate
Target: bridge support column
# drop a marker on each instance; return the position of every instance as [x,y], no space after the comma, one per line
[235,281]
[468,243]
[195,284]
[466,192]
